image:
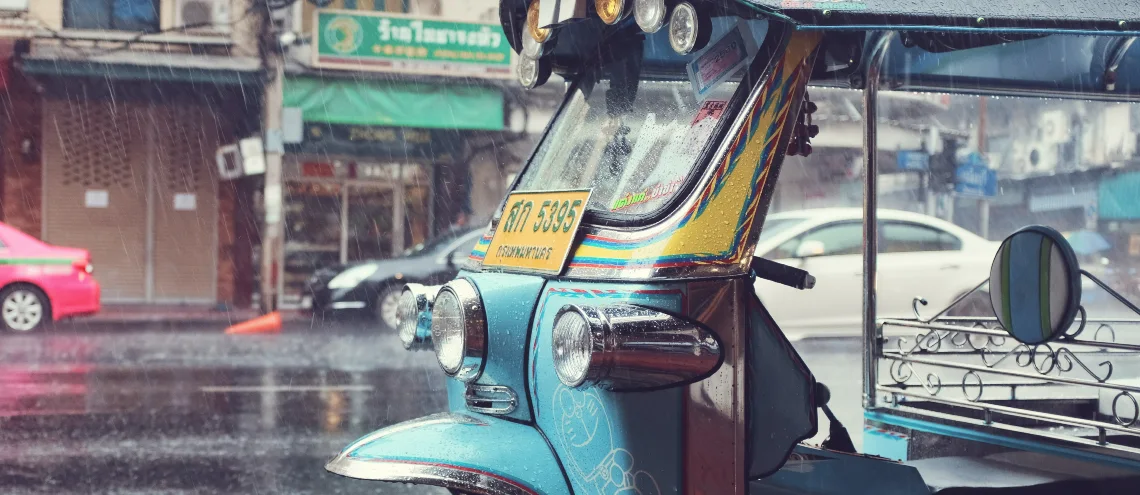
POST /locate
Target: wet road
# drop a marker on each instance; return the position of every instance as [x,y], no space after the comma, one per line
[201,412]
[188,412]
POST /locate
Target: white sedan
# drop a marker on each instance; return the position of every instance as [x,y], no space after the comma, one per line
[919,255]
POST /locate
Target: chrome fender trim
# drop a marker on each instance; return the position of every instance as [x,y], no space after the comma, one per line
[459,451]
[426,473]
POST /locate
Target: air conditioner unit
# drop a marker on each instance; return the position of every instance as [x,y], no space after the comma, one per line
[1040,158]
[13,5]
[1053,127]
[203,15]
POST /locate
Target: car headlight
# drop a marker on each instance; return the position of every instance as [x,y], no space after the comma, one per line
[413,315]
[627,347]
[352,277]
[689,29]
[459,330]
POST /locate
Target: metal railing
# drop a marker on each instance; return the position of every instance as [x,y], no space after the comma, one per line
[1081,388]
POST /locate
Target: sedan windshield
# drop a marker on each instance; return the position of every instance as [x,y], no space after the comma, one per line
[635,143]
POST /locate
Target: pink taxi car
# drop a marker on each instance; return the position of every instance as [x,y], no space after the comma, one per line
[41,283]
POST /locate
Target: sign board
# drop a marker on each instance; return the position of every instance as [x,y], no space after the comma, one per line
[974,178]
[913,160]
[185,202]
[537,230]
[96,198]
[386,42]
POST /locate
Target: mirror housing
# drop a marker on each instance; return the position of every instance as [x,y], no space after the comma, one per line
[1035,285]
[808,249]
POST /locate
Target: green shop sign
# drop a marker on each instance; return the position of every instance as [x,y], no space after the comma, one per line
[396,43]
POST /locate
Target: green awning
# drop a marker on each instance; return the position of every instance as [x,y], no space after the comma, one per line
[398,104]
[1119,197]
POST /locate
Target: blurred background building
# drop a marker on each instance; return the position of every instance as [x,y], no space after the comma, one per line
[112,113]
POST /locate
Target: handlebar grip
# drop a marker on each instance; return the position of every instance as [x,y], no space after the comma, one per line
[782,274]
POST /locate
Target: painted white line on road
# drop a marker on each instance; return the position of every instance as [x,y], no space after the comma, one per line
[287,388]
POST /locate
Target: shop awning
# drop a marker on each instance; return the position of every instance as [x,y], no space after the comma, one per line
[1119,197]
[396,104]
[145,66]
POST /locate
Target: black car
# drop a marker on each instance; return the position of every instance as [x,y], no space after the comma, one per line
[372,288]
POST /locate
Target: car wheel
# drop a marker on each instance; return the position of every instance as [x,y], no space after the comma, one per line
[386,305]
[24,308]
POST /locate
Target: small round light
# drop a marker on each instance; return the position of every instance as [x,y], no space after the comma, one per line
[573,347]
[649,14]
[532,73]
[610,10]
[684,28]
[407,318]
[539,34]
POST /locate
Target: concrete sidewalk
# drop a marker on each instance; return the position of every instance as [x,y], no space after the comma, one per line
[164,317]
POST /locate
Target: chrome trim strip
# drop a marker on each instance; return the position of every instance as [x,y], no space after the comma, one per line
[500,400]
[427,473]
[474,329]
[348,305]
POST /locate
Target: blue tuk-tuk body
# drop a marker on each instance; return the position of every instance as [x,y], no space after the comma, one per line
[726,407]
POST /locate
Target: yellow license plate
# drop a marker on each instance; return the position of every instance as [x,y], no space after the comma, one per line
[537,230]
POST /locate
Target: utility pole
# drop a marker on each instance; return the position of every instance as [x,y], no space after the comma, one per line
[272,245]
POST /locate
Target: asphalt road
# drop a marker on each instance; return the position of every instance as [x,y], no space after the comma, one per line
[188,412]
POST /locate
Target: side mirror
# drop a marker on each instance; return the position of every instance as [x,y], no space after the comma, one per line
[808,249]
[457,258]
[1035,285]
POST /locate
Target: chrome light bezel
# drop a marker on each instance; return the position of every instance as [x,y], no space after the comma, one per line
[640,348]
[416,335]
[594,326]
[473,329]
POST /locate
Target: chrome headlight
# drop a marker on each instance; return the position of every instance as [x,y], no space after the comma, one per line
[413,315]
[649,14]
[459,330]
[627,347]
[689,29]
[352,277]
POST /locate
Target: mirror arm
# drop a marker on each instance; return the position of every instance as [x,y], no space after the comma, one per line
[782,274]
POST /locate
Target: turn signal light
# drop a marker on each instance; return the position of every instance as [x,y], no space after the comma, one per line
[539,34]
[610,11]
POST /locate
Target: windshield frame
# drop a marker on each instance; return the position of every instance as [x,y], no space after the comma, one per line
[774,40]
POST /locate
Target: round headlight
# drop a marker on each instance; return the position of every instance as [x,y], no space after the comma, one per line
[459,330]
[407,318]
[688,31]
[539,34]
[573,347]
[610,10]
[649,14]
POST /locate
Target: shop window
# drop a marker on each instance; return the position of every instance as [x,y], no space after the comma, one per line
[118,15]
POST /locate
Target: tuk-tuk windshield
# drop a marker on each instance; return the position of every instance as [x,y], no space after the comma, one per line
[636,123]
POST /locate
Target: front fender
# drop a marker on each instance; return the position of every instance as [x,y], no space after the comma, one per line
[475,454]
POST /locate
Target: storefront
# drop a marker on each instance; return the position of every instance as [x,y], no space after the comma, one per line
[355,192]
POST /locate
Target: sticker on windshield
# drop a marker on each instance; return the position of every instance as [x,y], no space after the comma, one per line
[656,191]
[711,109]
[721,60]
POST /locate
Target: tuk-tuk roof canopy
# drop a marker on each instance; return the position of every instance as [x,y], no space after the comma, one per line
[1032,14]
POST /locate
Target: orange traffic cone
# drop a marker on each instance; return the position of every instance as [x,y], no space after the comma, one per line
[270,323]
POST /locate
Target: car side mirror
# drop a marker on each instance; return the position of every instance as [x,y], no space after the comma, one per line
[808,249]
[457,258]
[1035,285]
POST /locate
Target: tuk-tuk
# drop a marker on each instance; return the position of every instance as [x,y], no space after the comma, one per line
[604,336]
